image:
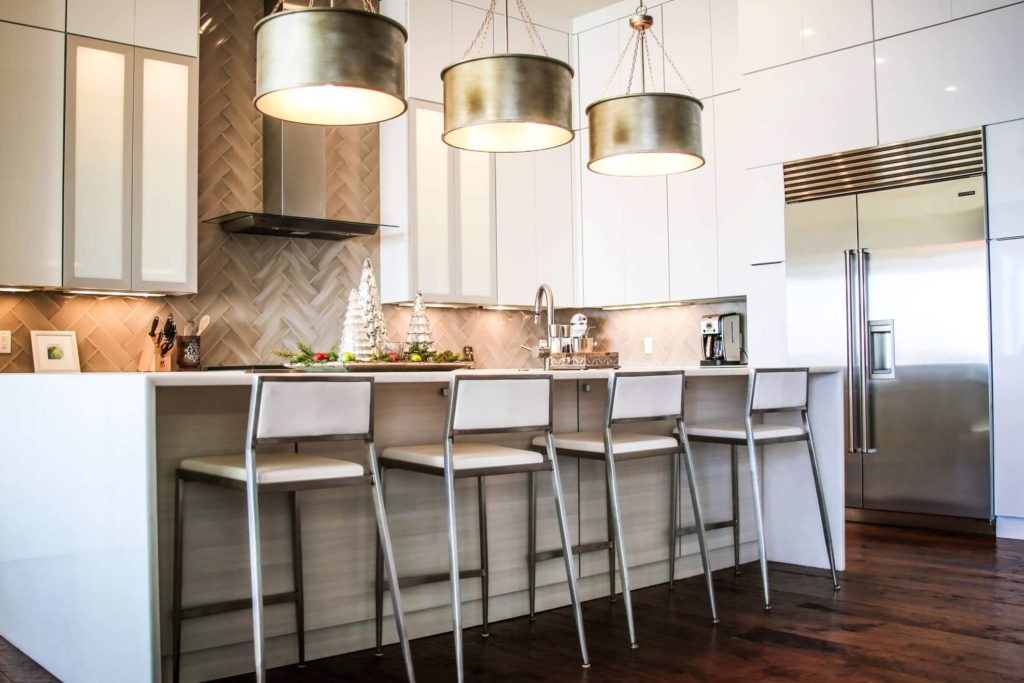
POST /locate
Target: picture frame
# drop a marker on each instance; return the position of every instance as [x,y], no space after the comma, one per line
[55,351]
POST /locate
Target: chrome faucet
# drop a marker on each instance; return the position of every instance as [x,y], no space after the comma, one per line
[544,296]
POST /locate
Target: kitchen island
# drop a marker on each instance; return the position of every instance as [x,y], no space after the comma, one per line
[87,504]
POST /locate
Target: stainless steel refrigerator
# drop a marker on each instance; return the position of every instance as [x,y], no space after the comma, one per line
[893,284]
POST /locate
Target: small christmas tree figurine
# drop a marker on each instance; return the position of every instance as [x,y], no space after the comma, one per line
[354,337]
[420,336]
[373,314]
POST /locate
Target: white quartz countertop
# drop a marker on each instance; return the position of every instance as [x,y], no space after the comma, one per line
[243,378]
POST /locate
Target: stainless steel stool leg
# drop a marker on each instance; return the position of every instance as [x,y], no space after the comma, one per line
[378,580]
[617,533]
[485,579]
[735,509]
[388,557]
[300,599]
[825,527]
[531,550]
[698,521]
[673,523]
[609,514]
[758,513]
[179,549]
[255,568]
[453,557]
[563,528]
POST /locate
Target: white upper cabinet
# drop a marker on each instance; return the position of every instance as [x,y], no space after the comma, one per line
[771,33]
[900,16]
[598,53]
[693,224]
[830,25]
[555,246]
[168,25]
[815,106]
[602,236]
[725,46]
[429,47]
[686,34]
[1007,266]
[1004,155]
[957,75]
[643,212]
[733,240]
[31,155]
[42,13]
[765,341]
[104,19]
[765,206]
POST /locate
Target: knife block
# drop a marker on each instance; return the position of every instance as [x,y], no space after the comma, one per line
[151,361]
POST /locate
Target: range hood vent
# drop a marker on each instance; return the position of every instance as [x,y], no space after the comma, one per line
[294,189]
[942,157]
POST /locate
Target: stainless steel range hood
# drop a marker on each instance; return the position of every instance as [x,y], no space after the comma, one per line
[294,187]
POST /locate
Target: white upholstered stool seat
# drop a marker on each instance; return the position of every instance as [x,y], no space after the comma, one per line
[465,456]
[622,442]
[736,430]
[274,468]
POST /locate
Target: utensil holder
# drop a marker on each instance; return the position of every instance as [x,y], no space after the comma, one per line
[187,352]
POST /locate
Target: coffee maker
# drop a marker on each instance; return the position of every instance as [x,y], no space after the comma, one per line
[721,339]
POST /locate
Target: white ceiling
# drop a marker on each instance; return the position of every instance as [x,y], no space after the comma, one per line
[552,13]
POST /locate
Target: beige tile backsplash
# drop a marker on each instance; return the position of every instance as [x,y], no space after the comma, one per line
[269,293]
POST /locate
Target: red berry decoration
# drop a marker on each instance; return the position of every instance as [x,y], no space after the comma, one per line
[393,357]
[319,357]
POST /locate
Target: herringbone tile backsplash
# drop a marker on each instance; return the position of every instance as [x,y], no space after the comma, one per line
[269,293]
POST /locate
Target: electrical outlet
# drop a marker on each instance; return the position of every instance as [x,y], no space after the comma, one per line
[5,341]
[648,345]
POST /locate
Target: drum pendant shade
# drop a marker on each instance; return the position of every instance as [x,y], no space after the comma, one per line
[330,66]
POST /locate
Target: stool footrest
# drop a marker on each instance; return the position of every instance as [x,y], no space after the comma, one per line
[727,524]
[576,550]
[439,577]
[213,608]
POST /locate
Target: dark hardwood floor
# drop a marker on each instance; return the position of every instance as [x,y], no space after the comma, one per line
[915,606]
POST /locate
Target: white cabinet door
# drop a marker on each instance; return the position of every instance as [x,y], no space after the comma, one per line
[429,47]
[1008,374]
[475,239]
[900,16]
[517,233]
[925,88]
[765,341]
[962,8]
[554,237]
[604,274]
[105,19]
[693,224]
[42,13]
[598,54]
[520,41]
[830,25]
[165,188]
[433,257]
[168,25]
[643,211]
[1004,157]
[725,46]
[98,164]
[733,241]
[31,155]
[766,213]
[771,33]
[814,106]
[686,33]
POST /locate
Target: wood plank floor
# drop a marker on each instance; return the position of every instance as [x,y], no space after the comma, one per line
[915,606]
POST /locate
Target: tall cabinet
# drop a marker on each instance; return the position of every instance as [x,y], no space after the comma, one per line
[130,173]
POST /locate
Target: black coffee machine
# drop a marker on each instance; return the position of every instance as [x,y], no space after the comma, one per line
[721,339]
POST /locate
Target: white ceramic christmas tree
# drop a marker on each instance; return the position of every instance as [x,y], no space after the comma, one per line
[373,314]
[420,333]
[354,336]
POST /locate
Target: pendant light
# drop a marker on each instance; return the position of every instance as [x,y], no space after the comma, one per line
[507,102]
[330,66]
[645,133]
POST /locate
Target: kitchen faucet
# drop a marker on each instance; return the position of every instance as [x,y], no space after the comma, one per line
[545,346]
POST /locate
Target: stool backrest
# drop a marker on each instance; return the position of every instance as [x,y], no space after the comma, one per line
[645,396]
[774,390]
[479,404]
[291,409]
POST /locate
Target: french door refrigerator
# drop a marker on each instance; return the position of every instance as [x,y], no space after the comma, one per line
[893,284]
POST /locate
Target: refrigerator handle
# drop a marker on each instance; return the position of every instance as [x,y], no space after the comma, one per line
[851,330]
[865,344]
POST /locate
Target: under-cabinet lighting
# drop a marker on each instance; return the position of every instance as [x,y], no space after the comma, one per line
[15,289]
[627,307]
[410,304]
[508,308]
[97,292]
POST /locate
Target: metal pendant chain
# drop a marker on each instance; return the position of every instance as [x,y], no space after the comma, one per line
[641,50]
[536,44]
[481,33]
[486,27]
[668,58]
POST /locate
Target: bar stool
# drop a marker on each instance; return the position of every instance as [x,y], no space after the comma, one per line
[285,409]
[771,390]
[634,397]
[486,404]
